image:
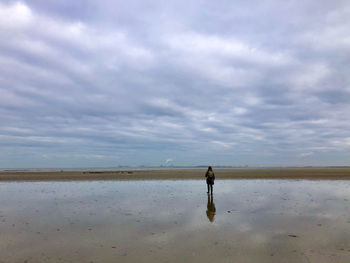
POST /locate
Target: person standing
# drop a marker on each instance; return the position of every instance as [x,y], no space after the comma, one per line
[210,179]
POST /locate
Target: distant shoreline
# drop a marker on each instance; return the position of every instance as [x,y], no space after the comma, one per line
[146,168]
[178,174]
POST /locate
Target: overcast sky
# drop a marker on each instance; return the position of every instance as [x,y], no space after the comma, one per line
[106,83]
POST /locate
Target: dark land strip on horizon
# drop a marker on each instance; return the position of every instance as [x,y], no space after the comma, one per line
[179,174]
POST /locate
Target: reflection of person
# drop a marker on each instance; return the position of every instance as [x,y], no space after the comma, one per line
[211,208]
[210,179]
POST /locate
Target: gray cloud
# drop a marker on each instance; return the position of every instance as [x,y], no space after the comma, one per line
[87,84]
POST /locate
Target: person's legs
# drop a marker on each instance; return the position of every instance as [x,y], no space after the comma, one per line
[208,188]
[211,188]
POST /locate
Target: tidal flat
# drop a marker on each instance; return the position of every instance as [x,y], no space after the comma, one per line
[258,220]
[331,173]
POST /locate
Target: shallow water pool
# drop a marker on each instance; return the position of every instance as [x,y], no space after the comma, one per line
[175,221]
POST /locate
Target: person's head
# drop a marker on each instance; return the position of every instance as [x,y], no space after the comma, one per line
[209,168]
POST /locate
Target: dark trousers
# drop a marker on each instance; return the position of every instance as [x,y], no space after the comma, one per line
[211,187]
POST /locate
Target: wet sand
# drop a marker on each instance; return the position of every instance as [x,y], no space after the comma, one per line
[247,221]
[180,174]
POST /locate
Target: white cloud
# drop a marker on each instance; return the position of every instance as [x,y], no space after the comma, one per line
[225,60]
[15,16]
[310,76]
[227,47]
[143,86]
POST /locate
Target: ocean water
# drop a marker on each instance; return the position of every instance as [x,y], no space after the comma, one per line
[175,221]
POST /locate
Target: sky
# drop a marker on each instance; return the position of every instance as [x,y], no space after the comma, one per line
[106,83]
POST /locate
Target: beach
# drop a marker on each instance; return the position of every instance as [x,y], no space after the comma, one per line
[179,174]
[247,221]
[165,215]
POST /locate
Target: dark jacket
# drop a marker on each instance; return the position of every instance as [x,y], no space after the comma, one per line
[210,179]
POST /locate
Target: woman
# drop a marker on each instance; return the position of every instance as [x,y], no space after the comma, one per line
[210,179]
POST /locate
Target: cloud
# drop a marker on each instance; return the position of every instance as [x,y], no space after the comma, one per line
[142,83]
